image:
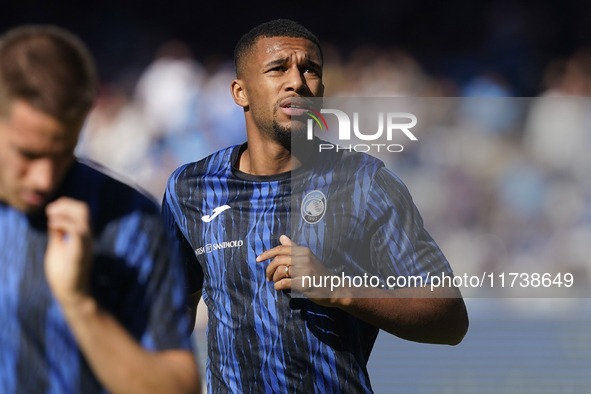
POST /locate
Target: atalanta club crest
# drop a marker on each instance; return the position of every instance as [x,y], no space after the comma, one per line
[313,207]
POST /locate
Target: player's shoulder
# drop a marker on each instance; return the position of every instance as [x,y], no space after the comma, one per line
[109,195]
[358,169]
[216,163]
[187,181]
[103,183]
[343,158]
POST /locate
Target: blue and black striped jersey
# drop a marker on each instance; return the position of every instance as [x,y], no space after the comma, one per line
[133,278]
[347,208]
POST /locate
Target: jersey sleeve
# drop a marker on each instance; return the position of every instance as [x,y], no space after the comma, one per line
[182,248]
[138,280]
[168,322]
[399,244]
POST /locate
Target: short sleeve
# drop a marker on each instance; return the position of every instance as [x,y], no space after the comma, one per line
[182,248]
[168,324]
[399,244]
[140,282]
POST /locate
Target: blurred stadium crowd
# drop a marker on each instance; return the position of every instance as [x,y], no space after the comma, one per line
[503,183]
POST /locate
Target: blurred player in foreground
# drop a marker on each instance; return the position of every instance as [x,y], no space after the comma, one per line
[230,213]
[90,300]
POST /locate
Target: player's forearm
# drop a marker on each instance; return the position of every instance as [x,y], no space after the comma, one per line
[427,320]
[119,362]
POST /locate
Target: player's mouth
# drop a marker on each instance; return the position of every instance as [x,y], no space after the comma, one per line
[294,106]
[34,199]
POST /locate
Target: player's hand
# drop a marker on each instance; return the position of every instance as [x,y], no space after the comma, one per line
[68,257]
[290,263]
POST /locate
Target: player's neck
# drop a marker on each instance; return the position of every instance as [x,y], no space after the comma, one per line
[264,156]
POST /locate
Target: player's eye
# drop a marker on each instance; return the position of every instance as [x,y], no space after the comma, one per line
[310,71]
[29,155]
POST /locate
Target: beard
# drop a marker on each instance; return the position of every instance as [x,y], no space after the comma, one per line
[282,133]
[287,134]
[296,131]
[294,138]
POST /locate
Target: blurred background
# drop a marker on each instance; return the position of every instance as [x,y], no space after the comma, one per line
[510,193]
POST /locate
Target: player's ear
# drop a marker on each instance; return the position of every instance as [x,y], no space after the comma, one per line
[239,93]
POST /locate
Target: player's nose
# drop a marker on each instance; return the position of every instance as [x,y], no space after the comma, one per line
[41,175]
[296,82]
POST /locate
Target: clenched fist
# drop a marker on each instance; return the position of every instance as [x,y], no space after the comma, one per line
[290,264]
[68,258]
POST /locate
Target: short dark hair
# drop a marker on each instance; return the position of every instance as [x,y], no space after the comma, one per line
[276,28]
[49,68]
